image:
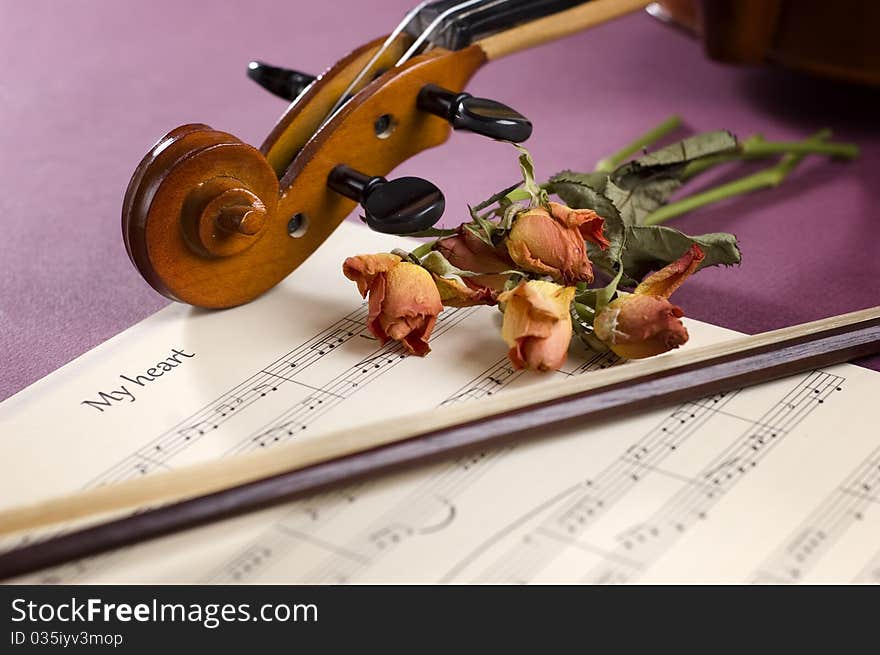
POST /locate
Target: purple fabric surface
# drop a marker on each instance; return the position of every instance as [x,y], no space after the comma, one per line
[88,86]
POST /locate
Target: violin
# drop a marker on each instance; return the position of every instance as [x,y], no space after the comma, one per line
[214,222]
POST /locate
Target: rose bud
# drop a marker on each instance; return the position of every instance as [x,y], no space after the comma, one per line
[644,323]
[636,326]
[537,324]
[454,293]
[552,242]
[404,302]
[468,253]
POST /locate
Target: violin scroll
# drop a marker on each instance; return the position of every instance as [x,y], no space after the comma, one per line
[200,196]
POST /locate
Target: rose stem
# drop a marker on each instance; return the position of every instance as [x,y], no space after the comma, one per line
[611,162]
[755,147]
[769,177]
[423,249]
[584,311]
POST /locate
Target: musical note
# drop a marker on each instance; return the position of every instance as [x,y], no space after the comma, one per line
[228,405]
[846,505]
[390,536]
[605,503]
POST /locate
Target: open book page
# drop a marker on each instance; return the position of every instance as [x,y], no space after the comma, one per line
[774,483]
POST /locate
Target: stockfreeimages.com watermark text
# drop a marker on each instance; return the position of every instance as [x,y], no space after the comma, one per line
[208,615]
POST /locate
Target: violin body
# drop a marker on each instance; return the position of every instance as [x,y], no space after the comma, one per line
[836,40]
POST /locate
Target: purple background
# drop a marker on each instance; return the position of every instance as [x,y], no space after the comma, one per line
[87,87]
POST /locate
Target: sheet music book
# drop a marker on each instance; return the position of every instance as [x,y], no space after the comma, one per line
[776,483]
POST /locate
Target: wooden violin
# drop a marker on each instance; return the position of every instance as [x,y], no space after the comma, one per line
[211,221]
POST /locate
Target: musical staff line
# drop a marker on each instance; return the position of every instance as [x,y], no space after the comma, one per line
[298,382]
[690,505]
[407,519]
[299,519]
[845,506]
[233,402]
[302,414]
[267,380]
[156,454]
[871,573]
[573,515]
[590,548]
[599,494]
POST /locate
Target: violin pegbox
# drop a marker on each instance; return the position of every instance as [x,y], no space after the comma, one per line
[213,222]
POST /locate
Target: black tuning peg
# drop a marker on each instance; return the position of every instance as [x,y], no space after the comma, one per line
[283,82]
[480,115]
[401,206]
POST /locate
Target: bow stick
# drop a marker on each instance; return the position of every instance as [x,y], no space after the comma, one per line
[197,495]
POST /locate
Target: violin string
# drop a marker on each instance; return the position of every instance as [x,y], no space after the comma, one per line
[464,14]
[410,16]
[417,44]
[420,40]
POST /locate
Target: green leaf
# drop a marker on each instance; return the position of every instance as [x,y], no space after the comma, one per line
[510,213]
[527,167]
[689,149]
[641,186]
[437,263]
[594,180]
[478,232]
[640,196]
[405,256]
[597,299]
[577,193]
[483,225]
[516,195]
[650,248]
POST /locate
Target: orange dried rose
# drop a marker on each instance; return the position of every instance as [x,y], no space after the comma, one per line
[404,302]
[636,326]
[468,253]
[455,293]
[665,281]
[587,222]
[552,242]
[537,324]
[644,323]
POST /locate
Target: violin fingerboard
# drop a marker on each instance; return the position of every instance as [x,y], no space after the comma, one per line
[476,21]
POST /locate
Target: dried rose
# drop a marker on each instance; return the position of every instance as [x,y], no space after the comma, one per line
[587,222]
[644,323]
[665,281]
[468,253]
[404,301]
[636,326]
[537,324]
[552,242]
[455,293]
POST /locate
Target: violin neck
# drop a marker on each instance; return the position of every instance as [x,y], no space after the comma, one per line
[505,27]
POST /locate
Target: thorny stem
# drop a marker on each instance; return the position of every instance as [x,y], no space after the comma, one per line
[611,162]
[769,177]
